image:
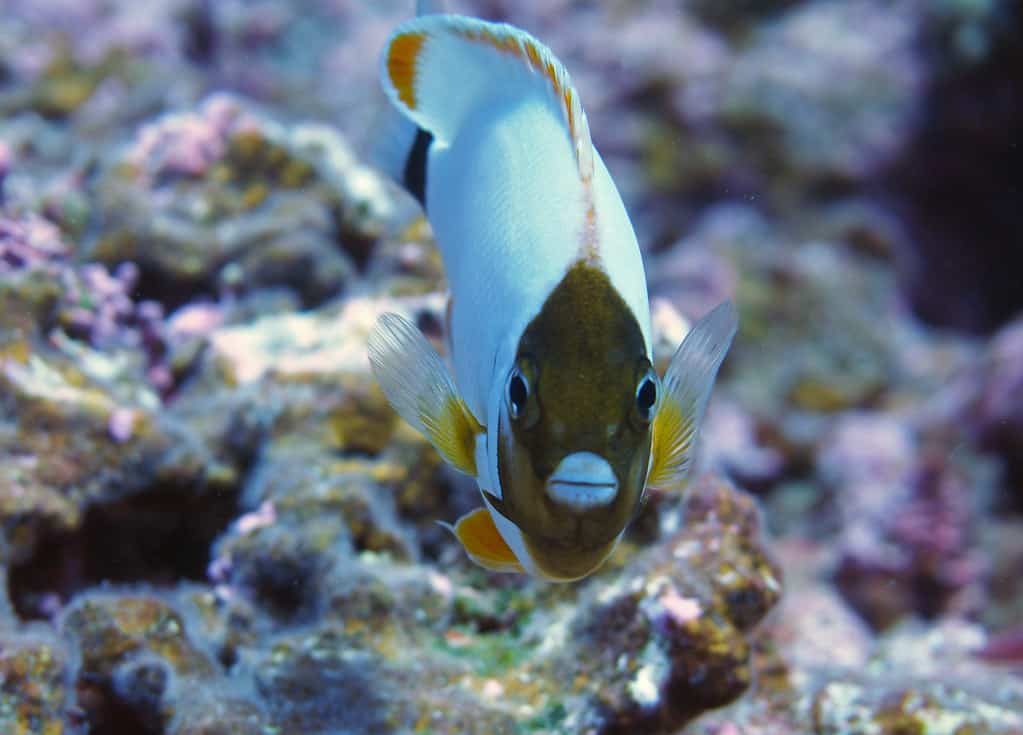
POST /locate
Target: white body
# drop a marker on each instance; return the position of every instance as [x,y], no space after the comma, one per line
[508,210]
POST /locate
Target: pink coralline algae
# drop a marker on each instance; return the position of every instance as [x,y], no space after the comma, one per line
[92,304]
[29,241]
[97,307]
[908,520]
[992,402]
[188,143]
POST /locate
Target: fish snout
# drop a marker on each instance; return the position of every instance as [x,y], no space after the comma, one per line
[583,481]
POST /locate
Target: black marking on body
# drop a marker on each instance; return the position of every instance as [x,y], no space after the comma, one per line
[414,175]
[587,354]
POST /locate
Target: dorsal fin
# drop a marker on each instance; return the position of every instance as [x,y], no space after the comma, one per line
[439,69]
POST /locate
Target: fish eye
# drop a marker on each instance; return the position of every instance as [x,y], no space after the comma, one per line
[518,393]
[646,395]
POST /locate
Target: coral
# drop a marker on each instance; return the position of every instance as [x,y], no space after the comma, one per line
[132,649]
[668,637]
[843,131]
[44,289]
[906,515]
[987,401]
[678,615]
[963,221]
[30,242]
[222,195]
[212,522]
[970,698]
[32,256]
[815,336]
[97,485]
[37,692]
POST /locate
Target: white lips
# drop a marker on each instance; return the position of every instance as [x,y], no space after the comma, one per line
[582,481]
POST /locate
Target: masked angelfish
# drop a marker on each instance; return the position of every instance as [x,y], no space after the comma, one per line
[555,407]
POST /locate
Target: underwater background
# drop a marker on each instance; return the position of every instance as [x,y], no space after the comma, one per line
[212,523]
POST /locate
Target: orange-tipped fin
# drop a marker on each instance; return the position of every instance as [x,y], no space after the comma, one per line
[402,58]
[440,69]
[483,542]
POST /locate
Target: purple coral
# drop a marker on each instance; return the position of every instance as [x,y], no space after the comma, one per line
[189,143]
[907,538]
[993,410]
[29,241]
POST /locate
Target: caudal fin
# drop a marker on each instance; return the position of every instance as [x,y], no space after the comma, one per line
[439,69]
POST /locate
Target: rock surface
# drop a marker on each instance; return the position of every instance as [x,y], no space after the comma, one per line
[212,523]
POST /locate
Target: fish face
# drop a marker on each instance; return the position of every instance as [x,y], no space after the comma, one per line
[574,427]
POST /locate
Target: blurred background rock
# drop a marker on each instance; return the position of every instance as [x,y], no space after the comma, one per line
[211,521]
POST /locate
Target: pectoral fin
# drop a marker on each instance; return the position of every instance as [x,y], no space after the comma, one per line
[686,389]
[417,384]
[483,542]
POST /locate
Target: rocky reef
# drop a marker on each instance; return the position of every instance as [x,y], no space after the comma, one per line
[212,522]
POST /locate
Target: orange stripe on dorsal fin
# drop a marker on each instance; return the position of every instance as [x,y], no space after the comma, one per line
[401,65]
[539,59]
[437,69]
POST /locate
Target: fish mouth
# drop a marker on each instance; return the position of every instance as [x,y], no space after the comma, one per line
[583,481]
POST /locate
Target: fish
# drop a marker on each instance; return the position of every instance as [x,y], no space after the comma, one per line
[554,406]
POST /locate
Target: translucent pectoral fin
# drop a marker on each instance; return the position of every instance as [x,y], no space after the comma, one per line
[417,384]
[483,542]
[686,390]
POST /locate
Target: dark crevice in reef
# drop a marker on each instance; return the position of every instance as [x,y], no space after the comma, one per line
[109,714]
[286,588]
[158,537]
[358,245]
[171,293]
[200,40]
[958,187]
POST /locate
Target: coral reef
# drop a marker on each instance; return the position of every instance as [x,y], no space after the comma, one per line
[212,523]
[219,198]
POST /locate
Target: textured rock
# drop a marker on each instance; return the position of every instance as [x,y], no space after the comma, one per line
[988,400]
[223,193]
[844,130]
[97,483]
[204,492]
[37,693]
[669,636]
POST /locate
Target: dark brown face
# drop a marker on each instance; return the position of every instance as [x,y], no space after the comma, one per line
[582,388]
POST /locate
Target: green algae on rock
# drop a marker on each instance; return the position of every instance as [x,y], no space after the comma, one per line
[141,665]
[37,690]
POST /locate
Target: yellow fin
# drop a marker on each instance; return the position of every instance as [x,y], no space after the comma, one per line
[453,433]
[670,446]
[684,395]
[483,542]
[417,384]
